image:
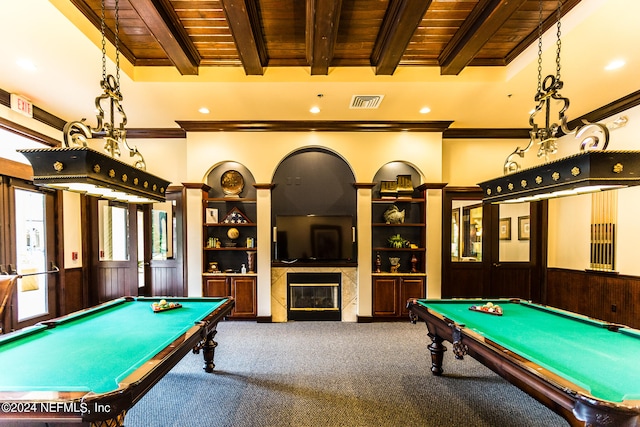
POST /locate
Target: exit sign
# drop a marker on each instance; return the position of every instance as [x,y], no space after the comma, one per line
[21,105]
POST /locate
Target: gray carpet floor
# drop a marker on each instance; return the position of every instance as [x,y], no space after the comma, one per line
[333,374]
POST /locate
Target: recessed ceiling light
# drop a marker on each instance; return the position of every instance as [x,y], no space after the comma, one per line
[614,65]
[425,110]
[204,110]
[314,110]
[27,64]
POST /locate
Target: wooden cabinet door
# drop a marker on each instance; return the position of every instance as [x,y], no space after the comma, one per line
[216,287]
[244,290]
[410,288]
[385,296]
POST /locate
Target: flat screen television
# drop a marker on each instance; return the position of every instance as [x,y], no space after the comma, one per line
[314,238]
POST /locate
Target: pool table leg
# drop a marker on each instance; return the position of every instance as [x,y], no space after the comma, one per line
[437,353]
[208,351]
[208,347]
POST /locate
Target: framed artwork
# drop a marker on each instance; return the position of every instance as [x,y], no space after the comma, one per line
[211,216]
[523,228]
[504,231]
[455,234]
[162,231]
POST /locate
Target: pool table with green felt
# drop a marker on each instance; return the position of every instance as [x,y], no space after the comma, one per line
[95,364]
[586,370]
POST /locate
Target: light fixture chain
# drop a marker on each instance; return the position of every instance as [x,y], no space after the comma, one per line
[118,47]
[104,42]
[539,48]
[558,42]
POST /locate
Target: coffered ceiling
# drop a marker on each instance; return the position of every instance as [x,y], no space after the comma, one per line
[472,63]
[319,34]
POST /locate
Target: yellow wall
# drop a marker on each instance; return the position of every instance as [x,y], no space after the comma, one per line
[457,162]
[466,162]
[364,152]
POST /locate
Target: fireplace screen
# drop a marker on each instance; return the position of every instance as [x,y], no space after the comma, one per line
[312,296]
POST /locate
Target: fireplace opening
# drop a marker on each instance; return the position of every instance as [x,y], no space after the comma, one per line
[314,296]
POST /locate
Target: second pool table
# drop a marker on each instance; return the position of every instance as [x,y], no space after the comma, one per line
[586,370]
[93,365]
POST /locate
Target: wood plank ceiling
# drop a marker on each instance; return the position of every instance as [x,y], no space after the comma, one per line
[320,34]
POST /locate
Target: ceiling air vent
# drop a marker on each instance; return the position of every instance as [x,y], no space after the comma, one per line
[363,102]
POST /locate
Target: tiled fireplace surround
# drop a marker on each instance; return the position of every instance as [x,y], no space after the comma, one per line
[279,290]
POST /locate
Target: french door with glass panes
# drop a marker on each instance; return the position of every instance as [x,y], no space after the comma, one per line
[29,251]
[492,251]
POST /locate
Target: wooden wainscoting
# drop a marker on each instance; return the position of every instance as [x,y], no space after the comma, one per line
[74,291]
[606,296]
[166,280]
[115,281]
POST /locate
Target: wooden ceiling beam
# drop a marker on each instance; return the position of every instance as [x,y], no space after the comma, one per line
[108,33]
[323,17]
[483,22]
[400,23]
[163,22]
[244,22]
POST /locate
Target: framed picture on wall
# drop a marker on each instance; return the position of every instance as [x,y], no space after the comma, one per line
[505,229]
[523,228]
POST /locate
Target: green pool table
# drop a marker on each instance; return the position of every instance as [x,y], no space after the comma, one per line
[93,365]
[586,370]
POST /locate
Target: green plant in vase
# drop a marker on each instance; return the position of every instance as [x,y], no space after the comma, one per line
[396,241]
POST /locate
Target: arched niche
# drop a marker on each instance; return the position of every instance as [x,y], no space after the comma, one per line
[390,172]
[313,181]
[314,207]
[216,172]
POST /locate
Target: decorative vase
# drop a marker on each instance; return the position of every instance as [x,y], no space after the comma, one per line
[251,261]
[395,264]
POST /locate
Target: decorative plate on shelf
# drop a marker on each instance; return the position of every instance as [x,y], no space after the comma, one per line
[232,183]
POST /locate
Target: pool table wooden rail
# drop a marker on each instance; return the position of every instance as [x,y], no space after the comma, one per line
[129,391]
[570,401]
